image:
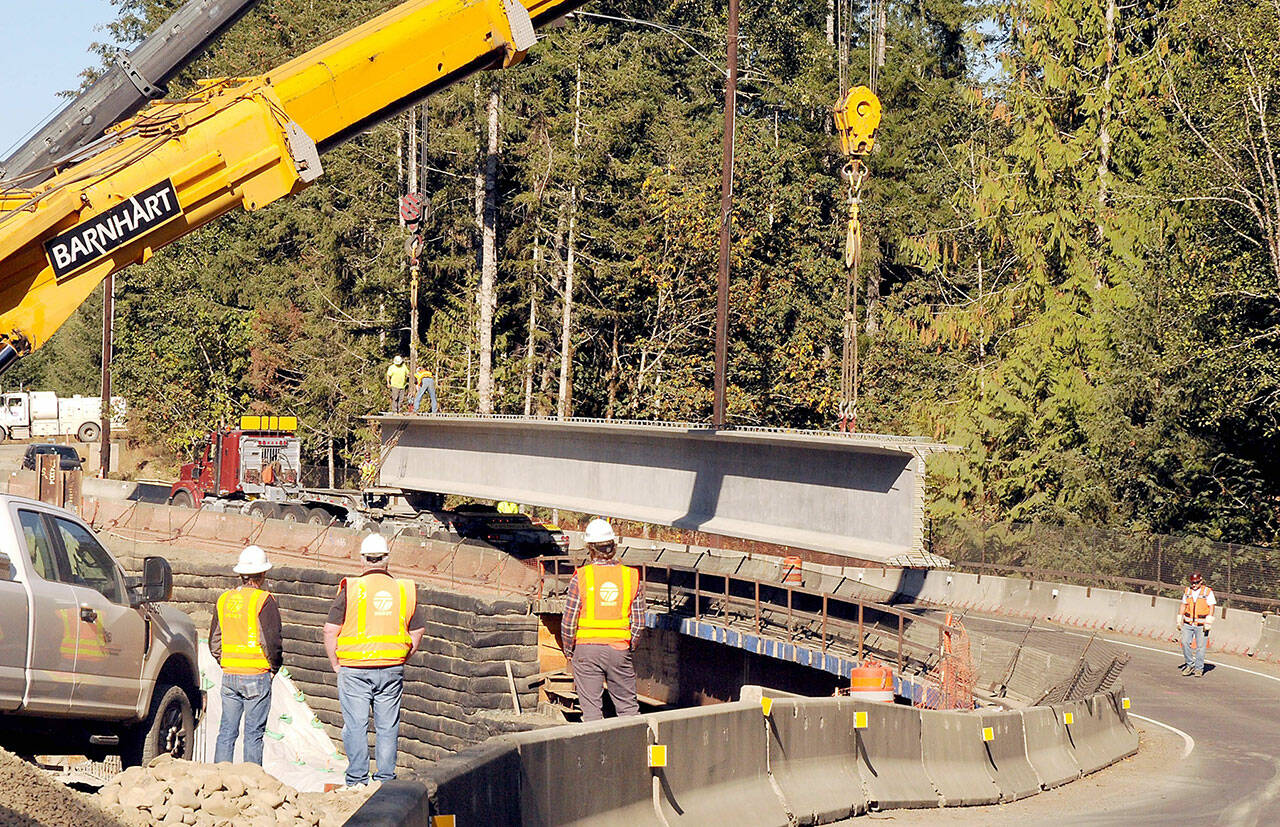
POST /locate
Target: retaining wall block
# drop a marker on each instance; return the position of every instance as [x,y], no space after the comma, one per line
[891,759]
[476,786]
[812,755]
[716,769]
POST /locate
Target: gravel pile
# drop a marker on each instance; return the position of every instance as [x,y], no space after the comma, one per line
[30,796]
[173,792]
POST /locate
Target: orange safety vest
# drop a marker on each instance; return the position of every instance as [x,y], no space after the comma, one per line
[1195,611]
[420,374]
[241,636]
[375,631]
[607,591]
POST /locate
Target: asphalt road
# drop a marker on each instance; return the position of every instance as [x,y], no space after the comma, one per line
[1210,751]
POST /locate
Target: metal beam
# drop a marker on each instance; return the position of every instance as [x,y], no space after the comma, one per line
[855,495]
[123,88]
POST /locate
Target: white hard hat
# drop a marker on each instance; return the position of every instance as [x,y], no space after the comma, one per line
[599,531]
[399,360]
[253,560]
[373,547]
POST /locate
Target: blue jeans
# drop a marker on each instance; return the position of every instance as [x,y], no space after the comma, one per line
[428,386]
[250,695]
[1191,632]
[358,689]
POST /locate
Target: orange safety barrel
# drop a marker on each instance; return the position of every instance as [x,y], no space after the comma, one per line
[871,682]
[792,571]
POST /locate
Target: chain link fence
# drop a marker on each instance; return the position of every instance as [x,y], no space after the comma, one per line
[1093,555]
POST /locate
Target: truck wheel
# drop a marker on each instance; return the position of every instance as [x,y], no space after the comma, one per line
[293,514]
[89,432]
[318,516]
[4,434]
[183,499]
[168,730]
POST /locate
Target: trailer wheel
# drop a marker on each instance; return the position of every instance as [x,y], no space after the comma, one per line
[183,499]
[318,516]
[263,510]
[89,432]
[293,514]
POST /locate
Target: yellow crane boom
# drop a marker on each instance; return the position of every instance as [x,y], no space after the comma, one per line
[235,142]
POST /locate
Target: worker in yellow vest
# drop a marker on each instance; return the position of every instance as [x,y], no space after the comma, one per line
[1195,617]
[603,616]
[426,385]
[375,624]
[245,638]
[398,383]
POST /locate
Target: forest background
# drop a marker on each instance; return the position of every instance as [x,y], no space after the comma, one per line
[1071,248]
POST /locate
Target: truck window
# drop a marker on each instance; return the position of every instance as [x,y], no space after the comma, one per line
[39,548]
[90,563]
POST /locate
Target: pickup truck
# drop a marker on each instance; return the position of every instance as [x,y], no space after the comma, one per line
[89,663]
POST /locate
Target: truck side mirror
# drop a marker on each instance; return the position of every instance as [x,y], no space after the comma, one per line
[157,580]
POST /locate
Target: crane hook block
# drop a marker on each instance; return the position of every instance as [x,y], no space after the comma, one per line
[857,119]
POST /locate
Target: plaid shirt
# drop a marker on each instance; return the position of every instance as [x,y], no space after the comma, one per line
[573,608]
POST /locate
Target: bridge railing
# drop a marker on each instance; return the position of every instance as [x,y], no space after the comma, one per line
[767,606]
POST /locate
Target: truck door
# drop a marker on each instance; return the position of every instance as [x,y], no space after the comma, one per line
[13,631]
[16,420]
[111,635]
[51,638]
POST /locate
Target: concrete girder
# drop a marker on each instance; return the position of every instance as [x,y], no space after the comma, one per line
[856,495]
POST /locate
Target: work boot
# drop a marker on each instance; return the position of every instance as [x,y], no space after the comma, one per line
[1189,672]
[1184,668]
[1197,673]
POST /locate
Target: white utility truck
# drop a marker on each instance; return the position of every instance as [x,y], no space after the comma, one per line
[43,413]
[89,662]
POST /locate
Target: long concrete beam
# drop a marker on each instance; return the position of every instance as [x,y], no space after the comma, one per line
[856,495]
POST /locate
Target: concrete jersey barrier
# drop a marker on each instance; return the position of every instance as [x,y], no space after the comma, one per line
[812,760]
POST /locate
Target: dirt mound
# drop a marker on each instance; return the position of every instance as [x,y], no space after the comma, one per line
[173,792]
[29,796]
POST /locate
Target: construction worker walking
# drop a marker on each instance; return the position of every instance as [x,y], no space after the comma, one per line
[245,638]
[398,382]
[426,384]
[1195,617]
[603,616]
[375,624]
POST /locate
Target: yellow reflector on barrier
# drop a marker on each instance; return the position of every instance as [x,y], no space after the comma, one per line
[859,720]
[988,733]
[657,755]
[444,821]
[1068,718]
[766,705]
[1124,703]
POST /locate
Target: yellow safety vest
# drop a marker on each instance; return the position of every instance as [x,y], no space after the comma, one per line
[1197,609]
[375,631]
[80,638]
[606,591]
[241,635]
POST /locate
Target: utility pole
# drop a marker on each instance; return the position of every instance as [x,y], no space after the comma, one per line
[108,335]
[726,215]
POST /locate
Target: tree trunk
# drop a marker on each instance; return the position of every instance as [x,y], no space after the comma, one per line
[488,296]
[564,405]
[530,348]
[332,466]
[614,371]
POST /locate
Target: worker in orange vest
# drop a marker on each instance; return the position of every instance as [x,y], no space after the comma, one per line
[1195,617]
[603,616]
[375,624]
[245,638]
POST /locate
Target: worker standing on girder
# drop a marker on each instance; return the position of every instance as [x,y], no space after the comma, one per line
[603,616]
[245,638]
[426,385]
[375,624]
[1194,619]
[397,382]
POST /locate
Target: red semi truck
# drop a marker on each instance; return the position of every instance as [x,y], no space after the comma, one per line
[256,469]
